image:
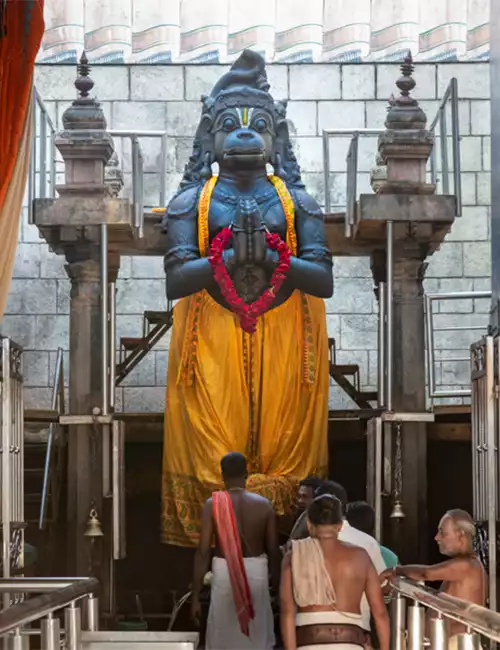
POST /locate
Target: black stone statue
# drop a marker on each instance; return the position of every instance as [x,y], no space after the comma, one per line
[261,390]
[243,130]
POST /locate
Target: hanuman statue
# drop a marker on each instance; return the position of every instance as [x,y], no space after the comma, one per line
[248,261]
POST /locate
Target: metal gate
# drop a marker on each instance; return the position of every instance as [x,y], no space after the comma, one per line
[485,419]
[12,463]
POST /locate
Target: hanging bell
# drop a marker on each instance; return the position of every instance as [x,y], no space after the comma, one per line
[94,528]
[397,510]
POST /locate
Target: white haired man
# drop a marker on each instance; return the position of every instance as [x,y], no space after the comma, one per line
[462,576]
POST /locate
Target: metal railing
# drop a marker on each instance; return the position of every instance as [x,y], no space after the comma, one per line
[42,155]
[138,172]
[451,96]
[352,168]
[58,594]
[43,160]
[432,330]
[12,463]
[408,624]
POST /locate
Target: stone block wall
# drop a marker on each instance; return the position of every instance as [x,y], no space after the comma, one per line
[320,96]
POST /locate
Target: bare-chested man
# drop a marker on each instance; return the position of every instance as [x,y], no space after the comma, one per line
[247,549]
[322,583]
[462,576]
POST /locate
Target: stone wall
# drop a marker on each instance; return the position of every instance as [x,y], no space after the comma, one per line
[320,96]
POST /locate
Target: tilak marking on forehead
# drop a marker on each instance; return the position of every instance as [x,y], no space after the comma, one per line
[245,115]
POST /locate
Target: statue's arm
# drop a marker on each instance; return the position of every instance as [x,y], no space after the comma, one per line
[311,271]
[186,271]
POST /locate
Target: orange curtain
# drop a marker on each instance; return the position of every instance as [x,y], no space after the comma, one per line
[21,31]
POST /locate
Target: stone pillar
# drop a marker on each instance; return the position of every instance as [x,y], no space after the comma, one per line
[410,535]
[86,148]
[404,149]
[84,442]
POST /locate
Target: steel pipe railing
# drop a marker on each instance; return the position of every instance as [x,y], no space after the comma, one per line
[352,167]
[36,585]
[43,606]
[474,617]
[451,96]
[389,346]
[38,155]
[431,330]
[43,162]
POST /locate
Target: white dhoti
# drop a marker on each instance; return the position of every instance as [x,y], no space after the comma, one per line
[329,618]
[223,628]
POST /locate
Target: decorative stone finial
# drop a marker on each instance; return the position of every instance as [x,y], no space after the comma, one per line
[404,112]
[84,83]
[85,112]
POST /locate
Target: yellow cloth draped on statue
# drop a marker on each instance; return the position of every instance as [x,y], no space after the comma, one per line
[265,395]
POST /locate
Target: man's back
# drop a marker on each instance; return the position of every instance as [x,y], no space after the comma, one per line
[348,567]
[357,537]
[254,517]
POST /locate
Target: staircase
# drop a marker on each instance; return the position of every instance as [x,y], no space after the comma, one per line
[348,378]
[133,349]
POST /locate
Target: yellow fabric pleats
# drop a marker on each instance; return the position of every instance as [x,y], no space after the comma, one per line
[265,395]
[11,208]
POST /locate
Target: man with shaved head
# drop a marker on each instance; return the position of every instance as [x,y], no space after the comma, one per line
[462,575]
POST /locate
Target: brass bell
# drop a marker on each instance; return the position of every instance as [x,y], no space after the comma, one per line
[397,510]
[94,528]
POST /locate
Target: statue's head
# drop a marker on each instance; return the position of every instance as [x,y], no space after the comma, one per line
[242,127]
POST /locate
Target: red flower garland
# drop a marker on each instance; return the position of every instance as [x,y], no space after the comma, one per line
[248,314]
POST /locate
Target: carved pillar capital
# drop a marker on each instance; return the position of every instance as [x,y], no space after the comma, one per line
[409,273]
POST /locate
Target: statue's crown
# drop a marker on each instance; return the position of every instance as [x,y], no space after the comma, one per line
[245,84]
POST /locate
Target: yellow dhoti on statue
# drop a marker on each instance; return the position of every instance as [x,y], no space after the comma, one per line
[263,394]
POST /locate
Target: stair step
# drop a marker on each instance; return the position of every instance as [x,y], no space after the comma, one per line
[131,342]
[32,498]
[35,438]
[157,317]
[369,395]
[34,471]
[133,640]
[348,369]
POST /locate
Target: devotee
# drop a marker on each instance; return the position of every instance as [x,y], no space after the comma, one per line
[245,530]
[361,515]
[347,534]
[322,584]
[462,576]
[305,496]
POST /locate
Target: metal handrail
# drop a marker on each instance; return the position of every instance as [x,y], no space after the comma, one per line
[451,95]
[48,167]
[351,160]
[46,124]
[30,610]
[57,403]
[36,585]
[431,330]
[480,619]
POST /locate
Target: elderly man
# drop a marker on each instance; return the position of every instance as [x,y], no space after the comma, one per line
[462,576]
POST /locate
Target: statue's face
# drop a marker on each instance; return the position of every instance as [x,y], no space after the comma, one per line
[243,137]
